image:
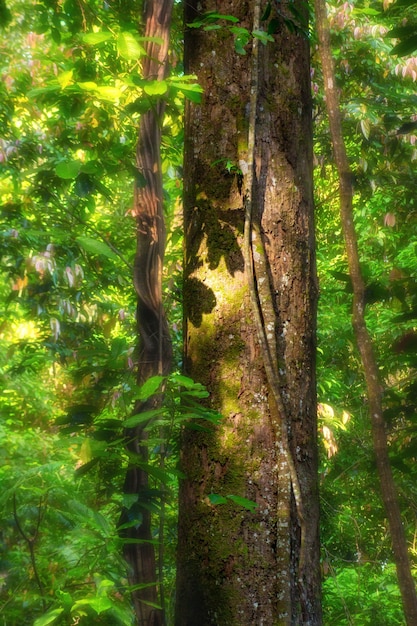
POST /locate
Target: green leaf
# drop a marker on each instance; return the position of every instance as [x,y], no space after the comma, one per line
[212,15]
[96,247]
[65,78]
[150,387]
[68,169]
[402,31]
[242,37]
[99,604]
[128,47]
[48,618]
[109,94]
[215,498]
[405,47]
[194,95]
[266,13]
[366,11]
[263,36]
[95,38]
[190,90]
[40,91]
[155,87]
[87,85]
[141,418]
[250,505]
[184,381]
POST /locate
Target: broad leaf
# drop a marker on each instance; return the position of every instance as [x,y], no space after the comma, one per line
[155,87]
[96,247]
[141,418]
[128,47]
[48,618]
[250,505]
[95,38]
[150,387]
[68,169]
[408,46]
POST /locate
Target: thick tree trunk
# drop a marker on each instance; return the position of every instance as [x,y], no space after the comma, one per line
[154,347]
[237,568]
[363,339]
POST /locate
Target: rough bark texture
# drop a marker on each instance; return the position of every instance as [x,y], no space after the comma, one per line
[363,339]
[237,568]
[154,348]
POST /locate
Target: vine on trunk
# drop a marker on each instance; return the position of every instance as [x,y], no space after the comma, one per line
[261,296]
[154,341]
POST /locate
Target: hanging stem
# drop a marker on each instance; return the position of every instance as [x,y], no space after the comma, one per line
[261,294]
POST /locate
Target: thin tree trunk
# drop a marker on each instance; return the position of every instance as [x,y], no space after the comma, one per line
[363,339]
[154,347]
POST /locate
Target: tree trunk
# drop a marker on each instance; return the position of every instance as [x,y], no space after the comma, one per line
[250,305]
[363,339]
[154,347]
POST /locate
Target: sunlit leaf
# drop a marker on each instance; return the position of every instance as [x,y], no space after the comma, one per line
[128,47]
[95,246]
[65,78]
[366,128]
[99,604]
[68,169]
[88,85]
[96,38]
[110,94]
[155,87]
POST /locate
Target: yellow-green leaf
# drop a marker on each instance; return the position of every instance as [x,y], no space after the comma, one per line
[88,85]
[155,87]
[128,47]
[111,94]
[65,78]
[95,38]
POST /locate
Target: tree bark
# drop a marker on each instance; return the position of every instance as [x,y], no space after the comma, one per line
[154,347]
[363,339]
[245,314]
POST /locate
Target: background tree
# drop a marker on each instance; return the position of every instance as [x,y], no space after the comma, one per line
[153,334]
[363,339]
[250,331]
[376,93]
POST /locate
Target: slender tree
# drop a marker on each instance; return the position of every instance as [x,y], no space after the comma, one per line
[154,349]
[250,303]
[363,338]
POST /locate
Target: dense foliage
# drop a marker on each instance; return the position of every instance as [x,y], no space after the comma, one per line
[70,102]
